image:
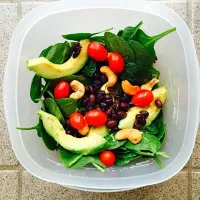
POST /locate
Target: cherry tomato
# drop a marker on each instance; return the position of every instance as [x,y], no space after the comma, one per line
[77,121]
[107,158]
[142,98]
[97,51]
[96,118]
[116,62]
[61,90]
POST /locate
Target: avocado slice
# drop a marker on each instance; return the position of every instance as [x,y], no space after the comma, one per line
[101,130]
[90,144]
[152,109]
[44,68]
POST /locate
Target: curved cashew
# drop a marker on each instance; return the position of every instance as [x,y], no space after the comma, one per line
[149,85]
[129,89]
[79,89]
[84,131]
[112,77]
[133,135]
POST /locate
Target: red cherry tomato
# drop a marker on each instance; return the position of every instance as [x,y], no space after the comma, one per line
[142,98]
[97,51]
[116,62]
[77,121]
[107,158]
[96,118]
[61,90]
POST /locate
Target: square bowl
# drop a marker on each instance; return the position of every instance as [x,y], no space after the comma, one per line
[177,63]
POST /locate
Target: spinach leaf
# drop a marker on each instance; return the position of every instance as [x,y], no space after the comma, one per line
[148,42]
[112,143]
[161,132]
[98,39]
[67,106]
[120,33]
[115,43]
[53,109]
[82,36]
[70,78]
[137,74]
[163,154]
[145,153]
[59,53]
[45,52]
[126,155]
[148,143]
[162,140]
[142,56]
[90,68]
[72,160]
[36,87]
[68,158]
[50,143]
[120,161]
[159,162]
[85,160]
[130,32]
[50,94]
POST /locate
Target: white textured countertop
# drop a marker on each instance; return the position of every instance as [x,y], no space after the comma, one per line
[17,184]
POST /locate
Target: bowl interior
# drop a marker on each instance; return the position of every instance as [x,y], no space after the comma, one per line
[171,63]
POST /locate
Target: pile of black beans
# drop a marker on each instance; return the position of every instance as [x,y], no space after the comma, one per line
[115,108]
[140,119]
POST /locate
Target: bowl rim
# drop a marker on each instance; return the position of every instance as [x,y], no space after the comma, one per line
[150,7]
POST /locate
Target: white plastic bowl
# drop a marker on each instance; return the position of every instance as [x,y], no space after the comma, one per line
[179,71]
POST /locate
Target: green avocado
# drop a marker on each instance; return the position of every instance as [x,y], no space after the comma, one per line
[102,131]
[44,68]
[90,144]
[152,109]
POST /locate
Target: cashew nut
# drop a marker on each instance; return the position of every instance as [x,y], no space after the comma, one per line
[112,77]
[133,135]
[84,131]
[150,84]
[79,89]
[129,89]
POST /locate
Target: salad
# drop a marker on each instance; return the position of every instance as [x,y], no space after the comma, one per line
[101,102]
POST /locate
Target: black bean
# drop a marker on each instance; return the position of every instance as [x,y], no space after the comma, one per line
[103,78]
[104,106]
[117,97]
[111,124]
[92,99]
[85,102]
[69,132]
[96,76]
[116,105]
[91,90]
[114,116]
[124,106]
[130,104]
[87,89]
[97,82]
[81,112]
[127,97]
[109,101]
[68,123]
[115,129]
[137,126]
[97,106]
[108,96]
[75,54]
[144,113]
[158,103]
[89,108]
[109,112]
[121,114]
[111,89]
[101,92]
[139,117]
[141,120]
